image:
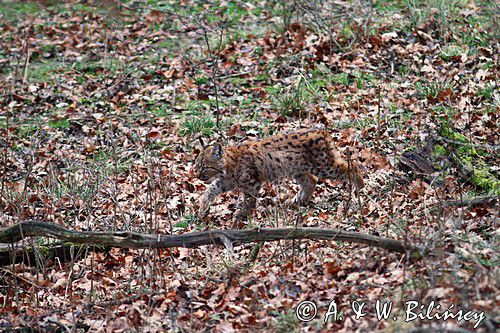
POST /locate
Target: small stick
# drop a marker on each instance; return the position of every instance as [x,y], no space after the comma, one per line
[26,64]
[234,75]
[378,114]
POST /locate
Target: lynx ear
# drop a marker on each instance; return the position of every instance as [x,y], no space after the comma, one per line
[217,151]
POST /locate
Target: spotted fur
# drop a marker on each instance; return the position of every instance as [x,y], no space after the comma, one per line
[304,156]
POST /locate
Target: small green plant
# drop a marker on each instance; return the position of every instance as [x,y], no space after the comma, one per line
[26,131]
[157,145]
[476,39]
[292,101]
[362,78]
[186,221]
[101,155]
[387,6]
[262,77]
[48,50]
[444,110]
[403,69]
[341,78]
[182,224]
[96,67]
[74,182]
[201,79]
[347,31]
[167,47]
[436,90]
[485,261]
[451,51]
[285,11]
[203,124]
[61,123]
[108,163]
[487,91]
[287,322]
[435,15]
[487,65]
[439,151]
[161,110]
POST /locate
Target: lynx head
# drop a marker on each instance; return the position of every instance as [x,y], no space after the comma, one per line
[210,163]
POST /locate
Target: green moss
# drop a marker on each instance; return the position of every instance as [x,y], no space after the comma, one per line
[483,178]
[446,132]
[464,148]
[468,156]
[439,150]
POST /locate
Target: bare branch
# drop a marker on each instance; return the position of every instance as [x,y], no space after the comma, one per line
[227,238]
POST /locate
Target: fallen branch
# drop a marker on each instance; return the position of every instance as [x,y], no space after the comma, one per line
[489,201]
[31,255]
[477,201]
[227,238]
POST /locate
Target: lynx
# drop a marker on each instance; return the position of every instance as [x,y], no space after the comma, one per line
[304,156]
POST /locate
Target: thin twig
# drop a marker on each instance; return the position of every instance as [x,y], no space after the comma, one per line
[26,65]
[475,145]
[234,75]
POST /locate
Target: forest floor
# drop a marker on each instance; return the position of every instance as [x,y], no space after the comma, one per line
[103,104]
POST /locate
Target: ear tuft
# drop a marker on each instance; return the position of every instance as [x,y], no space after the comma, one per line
[217,151]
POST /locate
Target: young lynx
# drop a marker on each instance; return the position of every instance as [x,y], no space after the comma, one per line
[304,156]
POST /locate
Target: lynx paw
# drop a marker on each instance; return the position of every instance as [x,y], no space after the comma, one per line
[298,200]
[202,213]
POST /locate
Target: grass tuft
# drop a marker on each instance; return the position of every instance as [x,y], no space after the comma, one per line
[203,124]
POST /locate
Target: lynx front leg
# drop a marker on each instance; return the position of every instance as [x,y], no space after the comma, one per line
[346,168]
[307,184]
[208,197]
[249,202]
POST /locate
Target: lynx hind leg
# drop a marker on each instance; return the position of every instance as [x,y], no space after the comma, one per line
[307,184]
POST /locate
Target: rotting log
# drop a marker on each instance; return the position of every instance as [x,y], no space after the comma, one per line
[227,238]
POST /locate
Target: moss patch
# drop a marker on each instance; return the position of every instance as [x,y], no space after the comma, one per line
[469,159]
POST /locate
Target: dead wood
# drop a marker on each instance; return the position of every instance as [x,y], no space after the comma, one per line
[477,201]
[228,238]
